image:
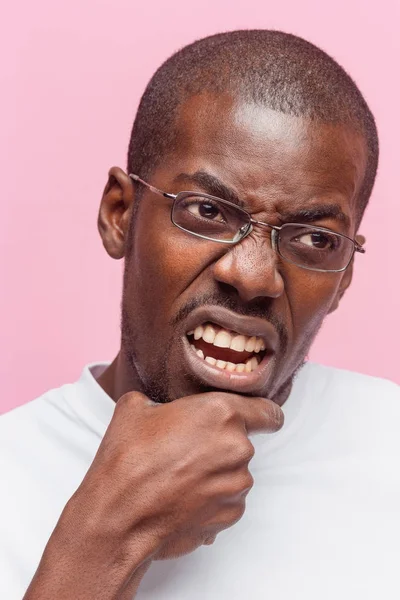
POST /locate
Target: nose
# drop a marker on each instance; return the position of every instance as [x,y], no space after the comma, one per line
[250,267]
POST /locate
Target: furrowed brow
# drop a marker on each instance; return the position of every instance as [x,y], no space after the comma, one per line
[316,213]
[210,185]
[214,186]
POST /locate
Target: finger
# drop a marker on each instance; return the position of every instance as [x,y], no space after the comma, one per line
[210,540]
[257,414]
[261,415]
[132,402]
[130,407]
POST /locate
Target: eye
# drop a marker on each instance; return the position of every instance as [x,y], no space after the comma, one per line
[205,209]
[319,240]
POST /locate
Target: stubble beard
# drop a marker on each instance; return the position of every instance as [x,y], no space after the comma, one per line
[158,388]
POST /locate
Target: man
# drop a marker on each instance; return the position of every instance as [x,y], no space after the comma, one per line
[252,159]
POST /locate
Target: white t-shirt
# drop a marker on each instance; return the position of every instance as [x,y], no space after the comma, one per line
[322,521]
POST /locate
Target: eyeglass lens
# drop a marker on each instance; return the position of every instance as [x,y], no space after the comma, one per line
[208,217]
[302,245]
[314,248]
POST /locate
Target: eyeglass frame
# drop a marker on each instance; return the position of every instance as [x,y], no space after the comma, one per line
[275,229]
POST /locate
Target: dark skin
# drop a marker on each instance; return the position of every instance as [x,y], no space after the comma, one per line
[193,451]
[276,164]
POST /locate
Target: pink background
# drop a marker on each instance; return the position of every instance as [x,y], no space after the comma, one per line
[71,78]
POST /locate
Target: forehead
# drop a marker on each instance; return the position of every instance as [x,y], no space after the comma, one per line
[268,154]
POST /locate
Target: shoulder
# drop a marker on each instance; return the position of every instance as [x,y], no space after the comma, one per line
[46,447]
[50,441]
[359,407]
[81,406]
[352,384]
[349,420]
[66,422]
[53,401]
[36,432]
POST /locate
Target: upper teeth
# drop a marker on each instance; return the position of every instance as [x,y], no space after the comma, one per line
[250,365]
[227,339]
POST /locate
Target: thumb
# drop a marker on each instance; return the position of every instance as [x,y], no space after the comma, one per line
[132,404]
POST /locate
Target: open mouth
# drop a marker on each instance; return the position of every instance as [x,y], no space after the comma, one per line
[225,349]
[229,351]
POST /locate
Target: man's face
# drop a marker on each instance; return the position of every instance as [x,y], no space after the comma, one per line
[279,166]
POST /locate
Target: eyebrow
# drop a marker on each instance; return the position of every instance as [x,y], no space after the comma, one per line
[211,185]
[214,186]
[316,213]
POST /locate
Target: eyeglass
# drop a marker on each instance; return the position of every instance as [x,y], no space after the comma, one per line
[218,220]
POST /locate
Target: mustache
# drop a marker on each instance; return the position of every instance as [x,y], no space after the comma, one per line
[257,308]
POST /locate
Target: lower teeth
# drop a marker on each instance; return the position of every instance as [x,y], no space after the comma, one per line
[250,365]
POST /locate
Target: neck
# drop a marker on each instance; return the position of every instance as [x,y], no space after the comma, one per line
[119,379]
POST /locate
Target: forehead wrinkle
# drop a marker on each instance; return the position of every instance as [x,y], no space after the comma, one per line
[283,190]
[301,163]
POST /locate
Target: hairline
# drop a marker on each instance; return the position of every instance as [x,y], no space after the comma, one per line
[242,98]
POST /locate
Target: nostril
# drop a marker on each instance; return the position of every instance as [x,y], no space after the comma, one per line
[249,271]
[228,290]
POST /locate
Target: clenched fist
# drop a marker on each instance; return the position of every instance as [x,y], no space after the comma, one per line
[166,479]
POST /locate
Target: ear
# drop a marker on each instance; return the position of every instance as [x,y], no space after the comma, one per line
[115,212]
[346,279]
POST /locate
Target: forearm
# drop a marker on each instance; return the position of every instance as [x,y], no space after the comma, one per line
[50,582]
[130,590]
[78,565]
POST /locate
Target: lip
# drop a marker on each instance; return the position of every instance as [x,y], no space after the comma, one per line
[247,383]
[227,319]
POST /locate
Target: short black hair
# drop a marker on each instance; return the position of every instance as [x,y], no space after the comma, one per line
[272,68]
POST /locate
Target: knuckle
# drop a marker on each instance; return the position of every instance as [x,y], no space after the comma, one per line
[248,482]
[130,400]
[227,517]
[235,514]
[221,407]
[243,484]
[239,512]
[247,451]
[240,450]
[125,401]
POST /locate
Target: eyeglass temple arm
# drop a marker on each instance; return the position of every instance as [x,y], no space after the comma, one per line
[151,187]
[358,246]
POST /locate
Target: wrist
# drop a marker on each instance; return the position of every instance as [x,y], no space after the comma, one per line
[83,559]
[104,542]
